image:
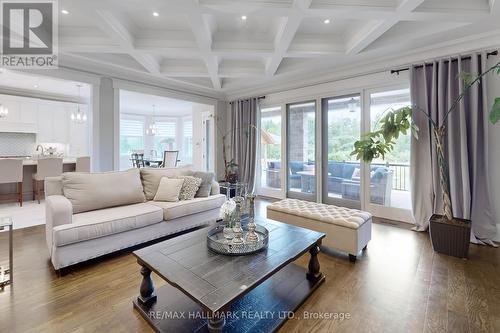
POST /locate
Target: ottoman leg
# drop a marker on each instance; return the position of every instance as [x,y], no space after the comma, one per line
[352,258]
[366,247]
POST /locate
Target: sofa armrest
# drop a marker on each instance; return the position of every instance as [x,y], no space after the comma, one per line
[53,186]
[58,211]
[215,188]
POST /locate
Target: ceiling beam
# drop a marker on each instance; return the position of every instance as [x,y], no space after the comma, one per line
[203,39]
[285,35]
[119,32]
[377,29]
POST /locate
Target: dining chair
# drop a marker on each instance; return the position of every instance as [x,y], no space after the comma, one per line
[83,164]
[46,167]
[11,171]
[170,158]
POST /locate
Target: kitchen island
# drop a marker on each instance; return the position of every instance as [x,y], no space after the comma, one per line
[29,168]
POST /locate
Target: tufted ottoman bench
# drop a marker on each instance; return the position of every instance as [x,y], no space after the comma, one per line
[347,230]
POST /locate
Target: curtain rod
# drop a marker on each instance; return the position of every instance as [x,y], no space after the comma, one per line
[397,71]
[258,98]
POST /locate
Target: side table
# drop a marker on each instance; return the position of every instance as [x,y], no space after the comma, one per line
[7,222]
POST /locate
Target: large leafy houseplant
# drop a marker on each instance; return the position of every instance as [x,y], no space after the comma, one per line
[230,165]
[381,141]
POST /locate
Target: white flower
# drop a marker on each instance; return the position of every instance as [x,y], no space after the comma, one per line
[227,208]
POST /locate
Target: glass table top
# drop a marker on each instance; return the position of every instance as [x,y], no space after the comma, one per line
[5,221]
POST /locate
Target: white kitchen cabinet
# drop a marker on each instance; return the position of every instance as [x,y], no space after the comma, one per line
[45,123]
[50,120]
[79,137]
[61,122]
[29,112]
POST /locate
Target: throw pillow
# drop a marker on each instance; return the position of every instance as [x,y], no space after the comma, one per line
[356,175]
[206,183]
[189,187]
[169,189]
[151,177]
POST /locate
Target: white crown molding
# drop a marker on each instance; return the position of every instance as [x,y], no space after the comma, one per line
[485,41]
[91,67]
[32,94]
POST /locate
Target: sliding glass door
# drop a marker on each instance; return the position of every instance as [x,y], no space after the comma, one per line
[341,127]
[301,150]
[270,182]
[388,193]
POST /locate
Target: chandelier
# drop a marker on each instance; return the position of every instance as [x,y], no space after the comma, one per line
[3,111]
[152,129]
[78,116]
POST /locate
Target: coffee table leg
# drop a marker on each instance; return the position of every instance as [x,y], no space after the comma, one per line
[314,268]
[147,290]
[216,323]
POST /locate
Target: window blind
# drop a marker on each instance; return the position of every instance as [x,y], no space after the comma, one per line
[130,127]
[188,128]
[166,128]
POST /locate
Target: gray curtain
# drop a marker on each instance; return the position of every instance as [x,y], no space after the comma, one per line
[434,87]
[244,139]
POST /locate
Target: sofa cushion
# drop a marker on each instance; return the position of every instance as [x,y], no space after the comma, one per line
[173,210]
[348,170]
[105,222]
[151,177]
[92,191]
[206,183]
[378,175]
[169,189]
[189,187]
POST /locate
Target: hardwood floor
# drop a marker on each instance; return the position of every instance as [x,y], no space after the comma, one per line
[398,285]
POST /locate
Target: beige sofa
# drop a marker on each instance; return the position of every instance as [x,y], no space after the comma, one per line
[89,215]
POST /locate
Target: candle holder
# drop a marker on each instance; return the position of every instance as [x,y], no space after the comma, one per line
[251,236]
[237,230]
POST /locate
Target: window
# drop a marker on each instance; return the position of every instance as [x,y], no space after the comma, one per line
[301,148]
[131,135]
[187,141]
[166,137]
[270,148]
[390,177]
[341,170]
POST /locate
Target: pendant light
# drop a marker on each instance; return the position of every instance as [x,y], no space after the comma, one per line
[153,129]
[79,116]
[352,105]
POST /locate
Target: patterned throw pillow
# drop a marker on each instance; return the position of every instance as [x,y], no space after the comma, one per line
[189,187]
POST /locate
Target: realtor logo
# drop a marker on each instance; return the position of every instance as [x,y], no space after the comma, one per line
[29,34]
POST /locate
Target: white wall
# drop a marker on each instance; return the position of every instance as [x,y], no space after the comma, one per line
[494,146]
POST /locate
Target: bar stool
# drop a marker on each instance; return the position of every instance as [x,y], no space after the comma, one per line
[46,167]
[11,171]
[83,164]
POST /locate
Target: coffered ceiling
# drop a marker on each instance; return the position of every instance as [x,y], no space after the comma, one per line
[222,45]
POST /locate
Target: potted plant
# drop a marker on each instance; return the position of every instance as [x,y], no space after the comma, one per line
[449,235]
[230,166]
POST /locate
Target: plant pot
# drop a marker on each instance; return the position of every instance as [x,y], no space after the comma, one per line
[450,237]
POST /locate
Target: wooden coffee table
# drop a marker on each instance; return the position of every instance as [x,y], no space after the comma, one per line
[209,292]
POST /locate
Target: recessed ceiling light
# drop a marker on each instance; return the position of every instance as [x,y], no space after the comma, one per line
[65,12]
[156,14]
[326,21]
[243,17]
[35,86]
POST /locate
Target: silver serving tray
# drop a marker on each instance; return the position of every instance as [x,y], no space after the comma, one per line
[217,243]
